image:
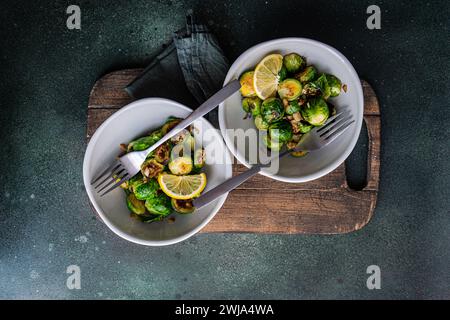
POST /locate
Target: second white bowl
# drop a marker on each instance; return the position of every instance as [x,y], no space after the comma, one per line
[326,59]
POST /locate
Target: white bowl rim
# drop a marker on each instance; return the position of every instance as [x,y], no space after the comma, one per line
[358,123]
[120,233]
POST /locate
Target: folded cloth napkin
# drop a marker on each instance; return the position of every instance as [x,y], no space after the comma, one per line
[188,70]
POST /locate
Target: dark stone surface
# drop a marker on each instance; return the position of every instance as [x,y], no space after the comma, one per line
[46,225]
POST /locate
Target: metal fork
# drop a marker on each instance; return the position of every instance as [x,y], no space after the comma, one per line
[128,165]
[317,138]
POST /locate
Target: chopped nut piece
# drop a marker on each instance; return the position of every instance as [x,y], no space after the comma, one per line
[285,103]
[344,87]
[297,116]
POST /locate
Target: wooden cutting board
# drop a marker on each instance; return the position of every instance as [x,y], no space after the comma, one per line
[262,205]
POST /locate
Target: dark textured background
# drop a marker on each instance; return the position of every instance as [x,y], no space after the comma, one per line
[46,225]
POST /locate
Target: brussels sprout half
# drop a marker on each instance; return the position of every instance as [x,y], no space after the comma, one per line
[246,80]
[170,123]
[134,205]
[182,206]
[280,131]
[334,84]
[144,142]
[290,89]
[151,168]
[252,105]
[325,88]
[293,62]
[272,110]
[307,75]
[315,111]
[181,165]
[146,190]
[159,204]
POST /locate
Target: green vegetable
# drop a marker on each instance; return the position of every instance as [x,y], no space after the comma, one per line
[292,107]
[159,204]
[199,158]
[181,165]
[325,88]
[311,90]
[161,154]
[304,127]
[335,85]
[307,75]
[272,110]
[252,105]
[246,80]
[293,62]
[290,89]
[280,131]
[145,142]
[151,168]
[260,123]
[170,123]
[282,74]
[315,111]
[146,190]
[134,205]
[271,144]
[135,181]
[182,206]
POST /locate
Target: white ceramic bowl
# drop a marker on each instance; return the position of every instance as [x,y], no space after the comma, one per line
[130,122]
[326,59]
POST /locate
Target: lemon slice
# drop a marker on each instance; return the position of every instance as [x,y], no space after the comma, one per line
[182,187]
[266,79]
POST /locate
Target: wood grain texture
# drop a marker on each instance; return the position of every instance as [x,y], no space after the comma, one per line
[323,206]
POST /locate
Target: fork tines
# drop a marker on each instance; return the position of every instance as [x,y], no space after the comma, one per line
[111,177]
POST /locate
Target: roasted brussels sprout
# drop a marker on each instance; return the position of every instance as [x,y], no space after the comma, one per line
[169,125]
[246,80]
[199,158]
[293,62]
[325,88]
[151,168]
[271,144]
[159,204]
[252,105]
[292,107]
[280,131]
[304,127]
[289,89]
[180,165]
[161,154]
[272,110]
[135,181]
[182,206]
[134,205]
[260,123]
[145,142]
[335,85]
[282,74]
[146,190]
[311,90]
[315,111]
[307,75]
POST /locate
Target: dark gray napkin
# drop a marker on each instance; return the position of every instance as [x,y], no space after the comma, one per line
[189,70]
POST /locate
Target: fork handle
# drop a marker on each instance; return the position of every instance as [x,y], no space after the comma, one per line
[204,108]
[225,187]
